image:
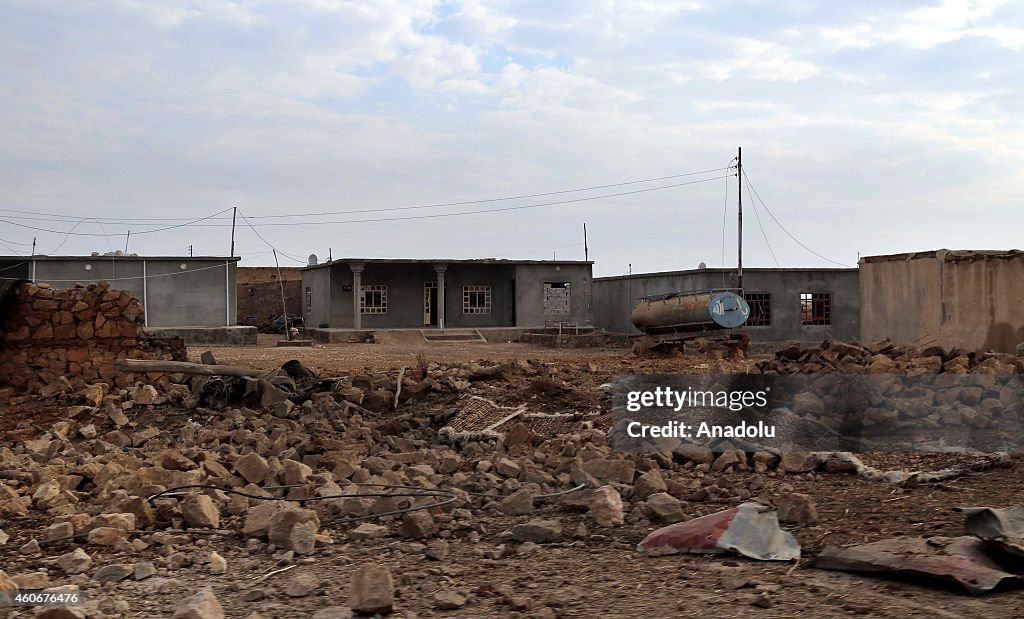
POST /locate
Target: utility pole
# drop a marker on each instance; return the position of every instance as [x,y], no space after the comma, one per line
[586,250]
[189,251]
[284,304]
[126,239]
[739,198]
[234,214]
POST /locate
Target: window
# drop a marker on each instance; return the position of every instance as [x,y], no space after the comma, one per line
[309,300]
[760,309]
[373,299]
[476,299]
[815,308]
[556,298]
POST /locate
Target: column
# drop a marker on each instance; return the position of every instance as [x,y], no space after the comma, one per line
[357,283]
[440,269]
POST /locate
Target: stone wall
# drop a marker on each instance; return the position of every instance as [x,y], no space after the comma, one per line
[77,333]
[259,295]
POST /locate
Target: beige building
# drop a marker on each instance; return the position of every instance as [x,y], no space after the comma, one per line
[970,299]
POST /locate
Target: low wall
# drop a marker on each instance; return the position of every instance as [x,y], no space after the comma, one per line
[213,336]
[77,333]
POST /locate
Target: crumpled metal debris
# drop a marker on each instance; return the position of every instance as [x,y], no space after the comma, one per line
[1002,528]
[751,530]
[963,561]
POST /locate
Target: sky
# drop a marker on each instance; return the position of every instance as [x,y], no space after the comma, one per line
[867,128]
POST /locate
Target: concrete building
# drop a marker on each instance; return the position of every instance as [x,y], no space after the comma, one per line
[259,294]
[808,305]
[967,299]
[374,294]
[193,297]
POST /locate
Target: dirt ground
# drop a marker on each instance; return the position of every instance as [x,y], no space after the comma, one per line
[596,574]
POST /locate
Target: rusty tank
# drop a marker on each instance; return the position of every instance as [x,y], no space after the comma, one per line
[690,312]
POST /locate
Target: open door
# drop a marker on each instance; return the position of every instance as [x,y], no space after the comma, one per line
[430,304]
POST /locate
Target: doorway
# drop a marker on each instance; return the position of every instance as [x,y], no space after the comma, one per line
[430,304]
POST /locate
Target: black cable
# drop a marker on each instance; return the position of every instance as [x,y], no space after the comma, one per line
[787,231]
[493,210]
[761,226]
[73,233]
[69,218]
[256,232]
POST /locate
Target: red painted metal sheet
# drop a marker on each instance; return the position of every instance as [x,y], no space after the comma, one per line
[751,530]
[963,561]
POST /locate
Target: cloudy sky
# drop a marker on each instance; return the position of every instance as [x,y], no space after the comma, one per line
[867,127]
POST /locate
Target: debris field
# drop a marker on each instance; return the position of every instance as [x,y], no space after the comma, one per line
[485,488]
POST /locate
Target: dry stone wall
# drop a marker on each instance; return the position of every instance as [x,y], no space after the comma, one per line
[75,333]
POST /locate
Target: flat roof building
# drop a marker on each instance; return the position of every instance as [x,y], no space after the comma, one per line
[968,299]
[808,305]
[357,293]
[191,296]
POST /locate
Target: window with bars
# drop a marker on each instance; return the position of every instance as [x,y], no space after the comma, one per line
[760,309]
[815,308]
[309,300]
[373,299]
[476,299]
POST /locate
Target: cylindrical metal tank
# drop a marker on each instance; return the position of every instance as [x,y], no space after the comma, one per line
[683,312]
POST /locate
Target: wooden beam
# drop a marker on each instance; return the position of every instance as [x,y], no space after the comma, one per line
[183,367]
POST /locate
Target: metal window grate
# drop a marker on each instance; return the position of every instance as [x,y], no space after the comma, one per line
[815,308]
[476,299]
[760,309]
[373,299]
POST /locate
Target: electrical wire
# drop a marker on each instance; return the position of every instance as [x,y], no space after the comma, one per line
[271,246]
[73,233]
[493,210]
[374,210]
[796,240]
[761,226]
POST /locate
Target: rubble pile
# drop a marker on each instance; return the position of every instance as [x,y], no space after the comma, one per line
[294,464]
[75,333]
[884,357]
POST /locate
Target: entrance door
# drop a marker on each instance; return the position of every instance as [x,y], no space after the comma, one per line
[430,303]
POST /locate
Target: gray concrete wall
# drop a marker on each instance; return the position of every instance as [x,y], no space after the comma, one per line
[172,296]
[530,280]
[319,283]
[964,299]
[615,297]
[516,294]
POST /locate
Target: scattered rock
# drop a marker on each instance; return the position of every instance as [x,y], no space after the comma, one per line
[605,506]
[448,600]
[202,605]
[537,531]
[371,589]
[796,508]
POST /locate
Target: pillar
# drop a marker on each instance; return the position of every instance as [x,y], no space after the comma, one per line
[440,269]
[357,283]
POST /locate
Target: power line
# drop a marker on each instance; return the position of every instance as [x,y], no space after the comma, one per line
[134,220]
[760,225]
[73,233]
[269,244]
[493,210]
[379,219]
[796,240]
[10,242]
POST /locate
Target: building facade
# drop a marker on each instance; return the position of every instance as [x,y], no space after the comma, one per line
[966,299]
[175,291]
[376,293]
[808,305]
